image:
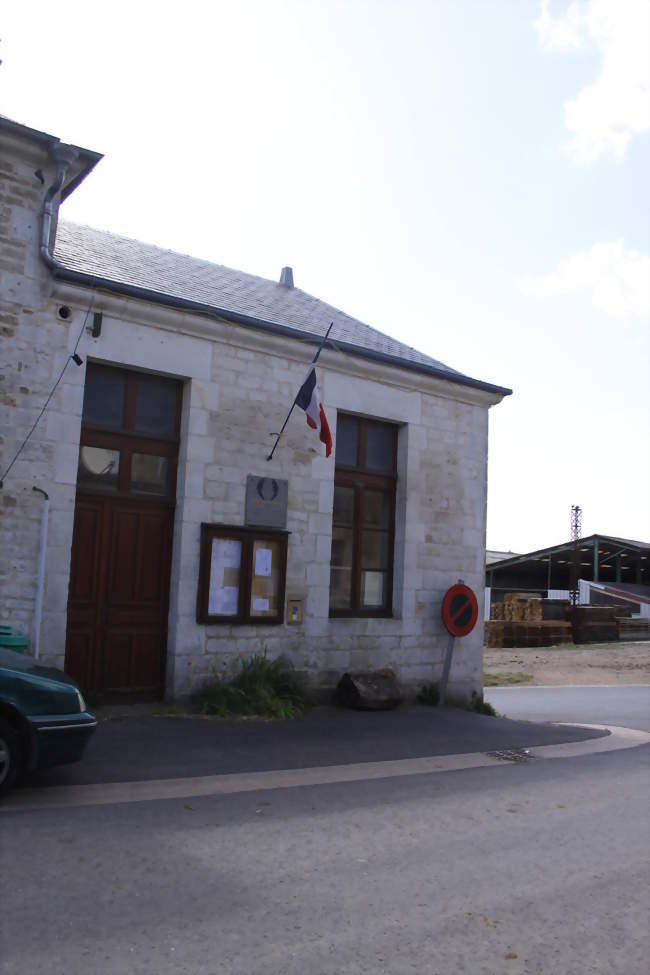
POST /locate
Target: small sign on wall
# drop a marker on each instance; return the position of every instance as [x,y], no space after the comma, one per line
[294,610]
[266,501]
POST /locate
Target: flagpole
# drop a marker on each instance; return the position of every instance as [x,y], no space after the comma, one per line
[313,361]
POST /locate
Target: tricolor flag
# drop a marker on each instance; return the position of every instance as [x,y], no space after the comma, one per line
[308,400]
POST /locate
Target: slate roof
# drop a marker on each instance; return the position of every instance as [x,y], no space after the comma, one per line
[131,263]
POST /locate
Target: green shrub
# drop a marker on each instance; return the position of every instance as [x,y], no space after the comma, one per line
[429,695]
[263,687]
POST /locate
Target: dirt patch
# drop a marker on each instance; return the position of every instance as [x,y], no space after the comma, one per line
[597,663]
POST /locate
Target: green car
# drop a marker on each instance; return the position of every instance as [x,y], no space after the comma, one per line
[43,718]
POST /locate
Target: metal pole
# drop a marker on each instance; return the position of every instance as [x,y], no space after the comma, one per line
[40,574]
[446,669]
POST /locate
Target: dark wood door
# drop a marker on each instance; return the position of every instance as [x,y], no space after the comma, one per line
[119,595]
[121,547]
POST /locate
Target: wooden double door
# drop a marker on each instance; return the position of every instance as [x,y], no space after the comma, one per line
[119,596]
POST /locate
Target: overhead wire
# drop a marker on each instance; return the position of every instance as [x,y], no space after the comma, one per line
[73,357]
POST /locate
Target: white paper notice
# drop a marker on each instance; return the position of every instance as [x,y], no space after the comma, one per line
[223,600]
[373,588]
[263,559]
[260,605]
[226,554]
[229,551]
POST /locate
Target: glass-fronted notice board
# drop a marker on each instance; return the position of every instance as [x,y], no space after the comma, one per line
[241,575]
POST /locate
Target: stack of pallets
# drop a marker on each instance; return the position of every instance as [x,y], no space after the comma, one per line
[633,628]
[596,624]
[519,622]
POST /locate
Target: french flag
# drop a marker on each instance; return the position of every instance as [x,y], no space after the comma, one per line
[309,401]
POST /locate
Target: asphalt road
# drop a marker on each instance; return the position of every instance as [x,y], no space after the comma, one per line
[626,705]
[527,868]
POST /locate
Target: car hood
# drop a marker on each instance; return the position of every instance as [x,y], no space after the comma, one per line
[22,663]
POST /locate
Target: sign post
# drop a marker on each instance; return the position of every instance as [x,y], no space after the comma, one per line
[459,614]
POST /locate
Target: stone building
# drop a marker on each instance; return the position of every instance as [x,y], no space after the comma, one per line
[169,547]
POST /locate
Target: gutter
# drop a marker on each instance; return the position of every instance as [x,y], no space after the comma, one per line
[64,155]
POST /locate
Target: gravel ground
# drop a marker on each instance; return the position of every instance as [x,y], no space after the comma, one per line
[596,663]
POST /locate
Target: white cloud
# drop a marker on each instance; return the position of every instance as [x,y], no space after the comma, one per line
[617,278]
[607,114]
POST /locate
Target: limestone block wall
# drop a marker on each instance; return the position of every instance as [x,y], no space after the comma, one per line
[34,347]
[238,387]
[228,422]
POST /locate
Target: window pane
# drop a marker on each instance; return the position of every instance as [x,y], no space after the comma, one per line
[155,406]
[340,588]
[347,440]
[380,447]
[265,582]
[343,505]
[373,590]
[104,397]
[342,547]
[225,560]
[374,550]
[376,509]
[98,468]
[149,474]
[341,568]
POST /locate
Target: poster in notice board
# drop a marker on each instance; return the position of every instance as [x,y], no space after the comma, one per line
[225,562]
[266,579]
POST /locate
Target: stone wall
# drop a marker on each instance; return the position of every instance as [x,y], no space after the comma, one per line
[34,347]
[238,386]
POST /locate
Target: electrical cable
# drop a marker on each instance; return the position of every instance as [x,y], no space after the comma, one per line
[73,357]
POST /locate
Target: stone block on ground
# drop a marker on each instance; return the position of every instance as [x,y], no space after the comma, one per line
[372,690]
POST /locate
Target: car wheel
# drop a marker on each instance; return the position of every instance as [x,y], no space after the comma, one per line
[9,757]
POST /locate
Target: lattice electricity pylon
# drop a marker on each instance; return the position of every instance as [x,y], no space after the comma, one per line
[576,532]
[576,522]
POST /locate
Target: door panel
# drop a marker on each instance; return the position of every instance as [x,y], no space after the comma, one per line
[119,589]
[84,592]
[84,569]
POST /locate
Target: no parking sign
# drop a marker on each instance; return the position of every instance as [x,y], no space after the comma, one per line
[459,614]
[459,610]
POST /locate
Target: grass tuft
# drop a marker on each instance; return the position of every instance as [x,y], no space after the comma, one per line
[430,695]
[481,706]
[262,688]
[505,677]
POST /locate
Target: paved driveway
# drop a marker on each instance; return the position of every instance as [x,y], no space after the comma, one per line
[627,706]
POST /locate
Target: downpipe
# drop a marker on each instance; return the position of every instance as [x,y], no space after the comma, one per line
[63,155]
[40,573]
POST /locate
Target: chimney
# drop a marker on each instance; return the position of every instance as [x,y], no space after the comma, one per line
[286,277]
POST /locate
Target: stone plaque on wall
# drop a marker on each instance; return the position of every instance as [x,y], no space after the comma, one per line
[266,501]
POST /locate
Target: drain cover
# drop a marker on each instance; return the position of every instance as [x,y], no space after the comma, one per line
[511,754]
